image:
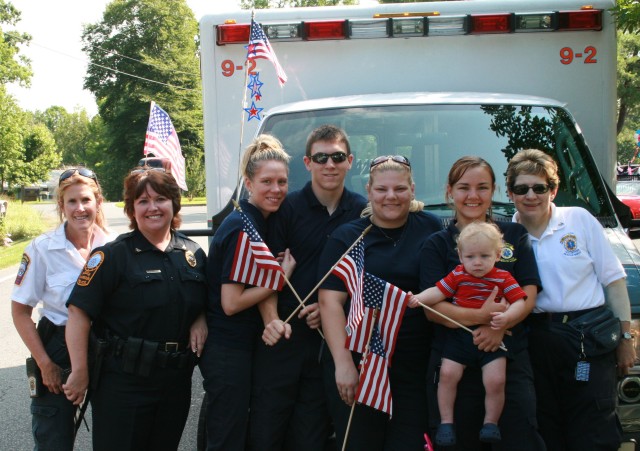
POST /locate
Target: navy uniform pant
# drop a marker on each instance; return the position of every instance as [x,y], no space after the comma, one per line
[288,406]
[372,429]
[136,413]
[227,382]
[518,425]
[573,415]
[52,420]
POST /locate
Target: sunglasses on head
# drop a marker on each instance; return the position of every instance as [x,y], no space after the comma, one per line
[88,173]
[538,188]
[141,170]
[397,158]
[322,158]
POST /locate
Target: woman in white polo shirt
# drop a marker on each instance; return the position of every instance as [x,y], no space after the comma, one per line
[50,267]
[576,396]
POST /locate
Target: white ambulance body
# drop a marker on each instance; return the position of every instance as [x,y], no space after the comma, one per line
[433,82]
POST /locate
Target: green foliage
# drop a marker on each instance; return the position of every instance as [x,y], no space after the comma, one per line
[11,144]
[628,95]
[23,221]
[13,66]
[627,14]
[143,40]
[196,180]
[39,157]
[71,132]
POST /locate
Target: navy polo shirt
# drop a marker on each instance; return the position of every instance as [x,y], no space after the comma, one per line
[237,331]
[392,255]
[134,289]
[303,225]
[439,256]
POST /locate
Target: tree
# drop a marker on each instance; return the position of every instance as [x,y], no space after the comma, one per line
[13,67]
[627,14]
[71,132]
[628,94]
[11,145]
[39,158]
[136,43]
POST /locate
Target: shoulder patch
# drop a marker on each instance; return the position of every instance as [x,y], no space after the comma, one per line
[22,269]
[90,269]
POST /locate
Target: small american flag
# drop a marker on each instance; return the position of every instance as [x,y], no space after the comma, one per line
[351,270]
[374,389]
[162,140]
[253,262]
[391,301]
[259,47]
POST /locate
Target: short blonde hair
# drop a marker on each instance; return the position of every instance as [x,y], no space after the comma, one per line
[482,230]
[262,148]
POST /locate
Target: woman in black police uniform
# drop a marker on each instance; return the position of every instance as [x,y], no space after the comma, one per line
[470,187]
[232,310]
[145,293]
[399,228]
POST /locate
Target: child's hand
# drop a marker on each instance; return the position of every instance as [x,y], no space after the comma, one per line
[499,320]
[413,300]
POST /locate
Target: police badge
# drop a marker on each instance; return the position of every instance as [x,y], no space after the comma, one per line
[191,259]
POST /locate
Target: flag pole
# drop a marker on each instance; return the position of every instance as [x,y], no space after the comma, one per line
[364,356]
[244,105]
[502,346]
[236,205]
[144,154]
[302,303]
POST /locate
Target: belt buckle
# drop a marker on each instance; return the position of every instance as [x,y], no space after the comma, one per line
[170,346]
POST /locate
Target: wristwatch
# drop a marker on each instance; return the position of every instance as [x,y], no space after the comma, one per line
[627,335]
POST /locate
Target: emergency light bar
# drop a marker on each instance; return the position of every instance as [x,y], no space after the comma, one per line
[417,24]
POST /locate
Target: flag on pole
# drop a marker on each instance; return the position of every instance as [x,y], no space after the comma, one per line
[259,47]
[162,141]
[391,301]
[351,270]
[374,389]
[253,262]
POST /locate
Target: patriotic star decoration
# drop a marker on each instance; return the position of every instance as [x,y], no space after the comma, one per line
[254,112]
[254,85]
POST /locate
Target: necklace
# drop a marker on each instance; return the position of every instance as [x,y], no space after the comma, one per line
[395,241]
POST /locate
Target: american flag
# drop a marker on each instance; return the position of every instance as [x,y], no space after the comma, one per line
[259,47]
[350,269]
[391,302]
[253,262]
[162,141]
[374,389]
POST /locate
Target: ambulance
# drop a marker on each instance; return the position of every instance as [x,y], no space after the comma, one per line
[433,82]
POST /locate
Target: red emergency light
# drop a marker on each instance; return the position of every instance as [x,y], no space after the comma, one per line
[326,29]
[490,23]
[588,19]
[233,33]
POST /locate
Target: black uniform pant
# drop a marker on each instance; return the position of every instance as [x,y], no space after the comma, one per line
[288,406]
[136,413]
[518,425]
[227,381]
[52,420]
[372,429]
[573,415]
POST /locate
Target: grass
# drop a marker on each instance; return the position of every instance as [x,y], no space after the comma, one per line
[22,223]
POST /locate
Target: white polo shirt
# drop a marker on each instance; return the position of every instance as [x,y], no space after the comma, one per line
[575,261]
[49,269]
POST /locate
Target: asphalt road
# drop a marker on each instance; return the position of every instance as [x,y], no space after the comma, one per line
[15,416]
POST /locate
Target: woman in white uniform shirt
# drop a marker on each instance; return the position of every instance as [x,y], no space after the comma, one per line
[578,269]
[50,266]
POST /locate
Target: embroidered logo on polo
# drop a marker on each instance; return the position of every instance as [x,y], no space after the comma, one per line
[90,269]
[570,243]
[507,255]
[22,269]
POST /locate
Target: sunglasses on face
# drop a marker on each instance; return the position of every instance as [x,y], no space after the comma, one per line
[397,158]
[88,173]
[142,170]
[538,188]
[322,158]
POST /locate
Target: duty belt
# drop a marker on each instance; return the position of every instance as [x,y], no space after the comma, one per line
[139,356]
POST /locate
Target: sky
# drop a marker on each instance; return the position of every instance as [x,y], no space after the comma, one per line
[57,61]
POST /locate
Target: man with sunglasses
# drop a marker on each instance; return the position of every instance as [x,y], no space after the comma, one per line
[288,408]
